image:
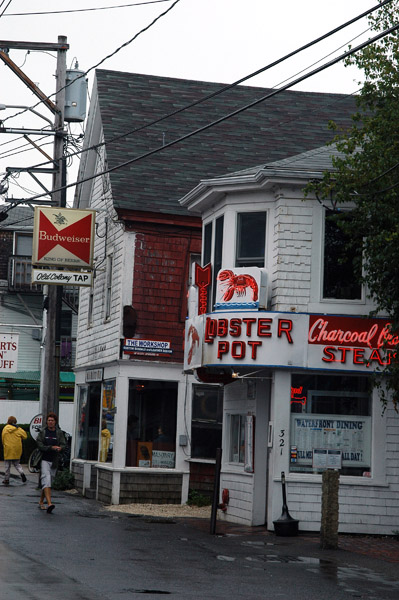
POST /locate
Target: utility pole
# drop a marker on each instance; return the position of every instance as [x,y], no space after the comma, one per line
[50,384]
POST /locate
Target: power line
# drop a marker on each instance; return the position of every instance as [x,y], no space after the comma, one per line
[226,87]
[28,147]
[102,60]
[5,7]
[228,116]
[57,12]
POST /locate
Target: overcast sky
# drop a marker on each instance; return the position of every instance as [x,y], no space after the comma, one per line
[209,40]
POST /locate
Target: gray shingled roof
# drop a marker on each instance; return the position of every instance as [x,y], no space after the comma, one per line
[314,161]
[18,217]
[288,124]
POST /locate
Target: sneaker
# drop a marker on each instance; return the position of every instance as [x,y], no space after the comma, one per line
[23,477]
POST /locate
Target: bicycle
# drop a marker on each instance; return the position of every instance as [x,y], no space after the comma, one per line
[34,459]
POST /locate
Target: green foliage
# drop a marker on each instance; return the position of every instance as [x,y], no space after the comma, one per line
[197,499]
[367,176]
[64,480]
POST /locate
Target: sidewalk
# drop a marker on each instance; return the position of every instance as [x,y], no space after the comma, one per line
[33,477]
[385,548]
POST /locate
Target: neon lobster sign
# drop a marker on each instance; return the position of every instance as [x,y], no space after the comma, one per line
[297,399]
[202,281]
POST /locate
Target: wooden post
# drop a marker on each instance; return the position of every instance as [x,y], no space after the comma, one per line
[329,510]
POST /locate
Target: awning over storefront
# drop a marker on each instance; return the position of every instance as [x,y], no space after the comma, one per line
[66,377]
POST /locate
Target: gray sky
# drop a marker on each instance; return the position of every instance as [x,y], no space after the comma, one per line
[210,40]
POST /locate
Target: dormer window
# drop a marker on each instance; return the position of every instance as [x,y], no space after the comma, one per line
[250,239]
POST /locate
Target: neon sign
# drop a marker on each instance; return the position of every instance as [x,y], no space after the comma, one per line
[297,399]
[244,327]
[366,333]
[202,281]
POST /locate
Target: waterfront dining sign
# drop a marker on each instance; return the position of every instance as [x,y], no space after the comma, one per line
[289,340]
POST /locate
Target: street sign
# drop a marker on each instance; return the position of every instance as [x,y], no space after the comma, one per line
[50,277]
[63,237]
[35,425]
[9,352]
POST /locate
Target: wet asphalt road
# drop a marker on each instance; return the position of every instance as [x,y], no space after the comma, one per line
[82,551]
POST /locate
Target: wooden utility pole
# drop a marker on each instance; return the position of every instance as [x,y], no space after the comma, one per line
[50,371]
[50,384]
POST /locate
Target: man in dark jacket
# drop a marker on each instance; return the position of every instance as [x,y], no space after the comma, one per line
[51,442]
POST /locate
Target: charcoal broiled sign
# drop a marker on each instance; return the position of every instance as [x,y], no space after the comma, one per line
[63,237]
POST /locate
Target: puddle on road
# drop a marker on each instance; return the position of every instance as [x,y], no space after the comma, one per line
[343,575]
[141,591]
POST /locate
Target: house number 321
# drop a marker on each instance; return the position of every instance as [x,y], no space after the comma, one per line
[282,440]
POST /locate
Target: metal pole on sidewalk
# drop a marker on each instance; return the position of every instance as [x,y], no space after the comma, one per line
[216,490]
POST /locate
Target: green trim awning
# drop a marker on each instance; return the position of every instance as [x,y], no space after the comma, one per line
[34,376]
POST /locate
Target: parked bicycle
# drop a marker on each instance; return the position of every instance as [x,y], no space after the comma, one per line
[65,458]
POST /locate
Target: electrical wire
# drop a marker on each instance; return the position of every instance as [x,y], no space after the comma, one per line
[6,226]
[57,12]
[226,117]
[232,85]
[2,14]
[28,147]
[153,22]
[374,192]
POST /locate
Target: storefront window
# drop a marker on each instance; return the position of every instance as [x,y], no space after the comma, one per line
[237,438]
[330,413]
[88,429]
[151,427]
[206,426]
[107,421]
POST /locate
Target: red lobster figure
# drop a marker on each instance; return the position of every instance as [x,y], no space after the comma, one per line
[193,335]
[237,284]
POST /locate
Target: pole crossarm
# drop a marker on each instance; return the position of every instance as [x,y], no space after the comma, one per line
[22,131]
[31,170]
[28,82]
[19,45]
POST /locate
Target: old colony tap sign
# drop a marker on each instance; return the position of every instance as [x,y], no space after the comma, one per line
[289,340]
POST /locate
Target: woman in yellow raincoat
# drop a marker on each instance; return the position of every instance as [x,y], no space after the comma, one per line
[12,437]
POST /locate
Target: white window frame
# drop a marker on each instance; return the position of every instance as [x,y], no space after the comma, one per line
[317,302]
[244,210]
[230,417]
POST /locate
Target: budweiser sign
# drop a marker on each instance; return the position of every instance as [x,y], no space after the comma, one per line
[63,237]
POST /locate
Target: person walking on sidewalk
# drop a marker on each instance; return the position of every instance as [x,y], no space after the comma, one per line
[51,442]
[12,437]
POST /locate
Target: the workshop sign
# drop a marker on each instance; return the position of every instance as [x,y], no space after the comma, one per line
[9,352]
[63,237]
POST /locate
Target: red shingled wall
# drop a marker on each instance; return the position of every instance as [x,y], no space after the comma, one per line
[161,266]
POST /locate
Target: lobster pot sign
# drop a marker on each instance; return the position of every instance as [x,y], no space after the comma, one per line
[241,288]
